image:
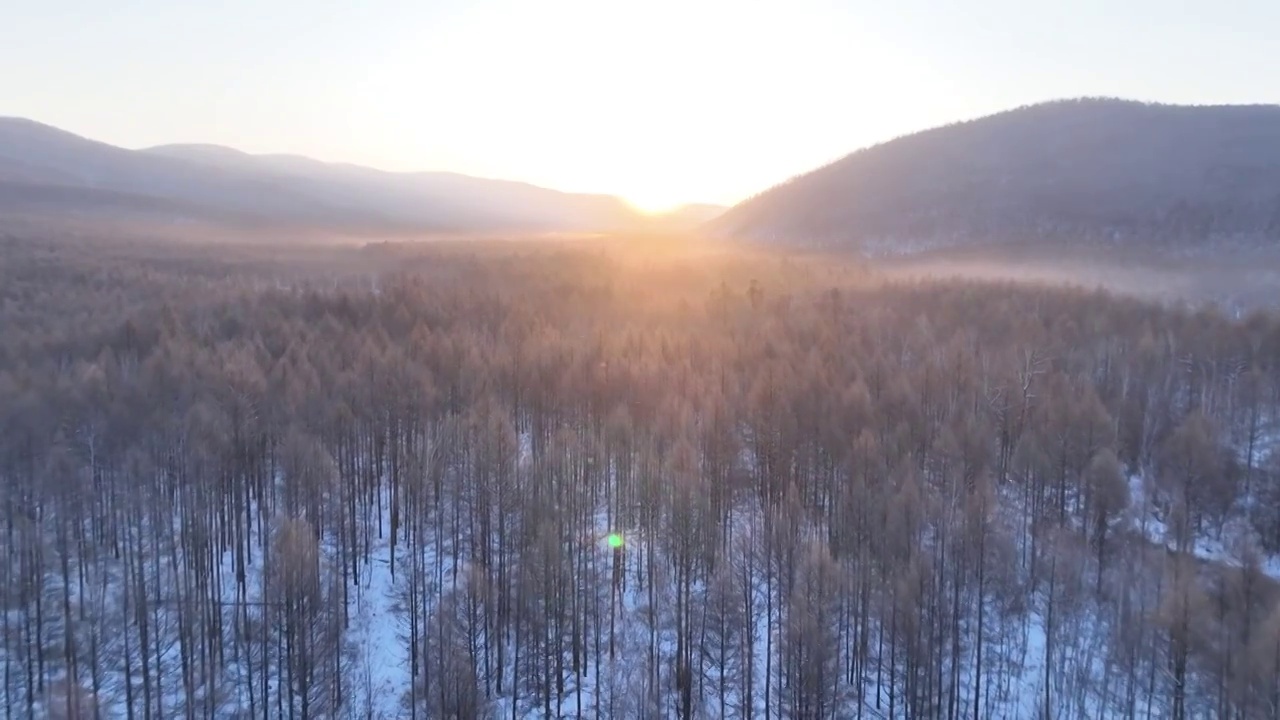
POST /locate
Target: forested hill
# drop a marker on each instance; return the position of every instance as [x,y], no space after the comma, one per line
[1059,172]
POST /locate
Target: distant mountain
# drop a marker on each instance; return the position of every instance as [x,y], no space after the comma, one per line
[1095,170]
[46,169]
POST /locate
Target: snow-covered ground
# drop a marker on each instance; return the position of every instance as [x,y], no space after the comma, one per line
[380,679]
[1238,538]
[380,654]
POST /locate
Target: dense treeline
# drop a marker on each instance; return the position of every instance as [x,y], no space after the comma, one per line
[382,486]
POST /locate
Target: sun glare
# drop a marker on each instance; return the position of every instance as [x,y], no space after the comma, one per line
[652,204]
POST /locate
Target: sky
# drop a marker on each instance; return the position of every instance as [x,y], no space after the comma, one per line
[662,102]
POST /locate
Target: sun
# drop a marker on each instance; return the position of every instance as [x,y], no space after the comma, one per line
[652,203]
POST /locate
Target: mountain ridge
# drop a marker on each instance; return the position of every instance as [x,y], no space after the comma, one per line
[46,169]
[1088,169]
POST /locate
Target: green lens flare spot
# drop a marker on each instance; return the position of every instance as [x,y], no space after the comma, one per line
[615,540]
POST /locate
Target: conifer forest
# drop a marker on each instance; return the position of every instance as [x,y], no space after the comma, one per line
[623,479]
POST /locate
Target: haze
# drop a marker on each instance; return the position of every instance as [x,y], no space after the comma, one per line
[660,102]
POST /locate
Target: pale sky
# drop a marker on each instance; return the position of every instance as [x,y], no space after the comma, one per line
[659,101]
